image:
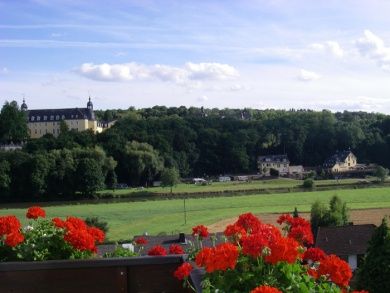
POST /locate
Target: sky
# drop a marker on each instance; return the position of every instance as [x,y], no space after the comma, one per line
[260,54]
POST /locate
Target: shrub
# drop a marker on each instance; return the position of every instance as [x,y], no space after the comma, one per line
[98,223]
[308,183]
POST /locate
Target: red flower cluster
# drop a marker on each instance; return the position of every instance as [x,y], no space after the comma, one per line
[176,249]
[249,222]
[235,232]
[79,234]
[10,228]
[183,271]
[283,249]
[35,212]
[314,254]
[141,241]
[265,289]
[254,243]
[221,257]
[157,250]
[337,270]
[200,231]
[298,228]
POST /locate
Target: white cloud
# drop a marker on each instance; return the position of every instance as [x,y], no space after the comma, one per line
[4,70]
[373,47]
[189,73]
[331,47]
[359,103]
[306,75]
[203,99]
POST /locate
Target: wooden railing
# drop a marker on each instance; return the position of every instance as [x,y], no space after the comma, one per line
[137,274]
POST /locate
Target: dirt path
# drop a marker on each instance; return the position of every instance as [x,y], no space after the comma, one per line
[366,216]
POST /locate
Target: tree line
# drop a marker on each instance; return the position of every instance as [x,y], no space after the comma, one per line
[195,141]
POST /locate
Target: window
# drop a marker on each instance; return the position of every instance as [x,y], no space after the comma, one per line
[54,131]
[54,123]
[45,117]
[58,117]
[32,118]
[71,116]
[38,118]
[279,166]
[63,117]
[36,131]
[51,117]
[77,116]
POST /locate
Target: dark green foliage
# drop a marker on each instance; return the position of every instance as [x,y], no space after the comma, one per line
[373,274]
[335,215]
[381,173]
[170,177]
[89,176]
[98,223]
[13,124]
[5,178]
[295,213]
[308,183]
[274,172]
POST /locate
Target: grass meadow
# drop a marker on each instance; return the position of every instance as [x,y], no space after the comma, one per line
[231,186]
[127,219]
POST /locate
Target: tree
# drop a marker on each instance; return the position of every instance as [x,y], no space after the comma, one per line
[295,213]
[89,176]
[140,162]
[373,274]
[308,183]
[13,123]
[170,177]
[335,215]
[5,179]
[381,173]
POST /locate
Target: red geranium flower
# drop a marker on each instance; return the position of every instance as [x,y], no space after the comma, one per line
[222,257]
[235,231]
[298,228]
[200,231]
[183,271]
[35,212]
[58,223]
[283,249]
[336,269]
[176,249]
[253,244]
[157,250]
[141,241]
[97,234]
[266,289]
[249,222]
[14,238]
[80,239]
[9,224]
[314,254]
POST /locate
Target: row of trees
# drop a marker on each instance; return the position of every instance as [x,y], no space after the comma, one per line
[201,142]
[57,173]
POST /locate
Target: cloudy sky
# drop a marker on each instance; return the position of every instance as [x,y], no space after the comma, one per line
[322,54]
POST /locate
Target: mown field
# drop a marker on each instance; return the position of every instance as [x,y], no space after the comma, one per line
[232,186]
[132,218]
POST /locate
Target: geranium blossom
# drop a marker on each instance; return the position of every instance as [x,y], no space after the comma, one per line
[141,241]
[157,250]
[183,271]
[314,254]
[176,249]
[200,231]
[337,270]
[35,212]
[283,249]
[266,289]
[222,257]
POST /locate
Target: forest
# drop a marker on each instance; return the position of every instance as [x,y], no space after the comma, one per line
[195,141]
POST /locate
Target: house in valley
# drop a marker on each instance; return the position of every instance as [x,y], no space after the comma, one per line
[340,162]
[277,162]
[347,242]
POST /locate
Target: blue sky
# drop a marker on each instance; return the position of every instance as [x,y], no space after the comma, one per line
[259,54]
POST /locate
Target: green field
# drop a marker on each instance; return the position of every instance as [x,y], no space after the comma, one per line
[131,218]
[231,186]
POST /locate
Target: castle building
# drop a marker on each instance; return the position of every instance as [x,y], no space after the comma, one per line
[44,121]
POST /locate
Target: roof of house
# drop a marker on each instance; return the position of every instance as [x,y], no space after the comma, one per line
[60,114]
[339,156]
[273,158]
[344,240]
